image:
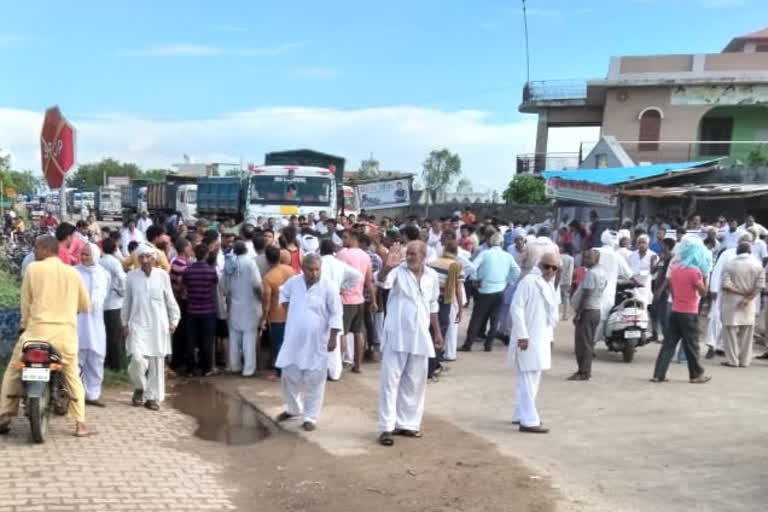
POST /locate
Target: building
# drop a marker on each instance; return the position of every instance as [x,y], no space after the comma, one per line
[662,108]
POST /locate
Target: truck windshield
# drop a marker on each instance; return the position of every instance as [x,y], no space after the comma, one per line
[191,196]
[310,191]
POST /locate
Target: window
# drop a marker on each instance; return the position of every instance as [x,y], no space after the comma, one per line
[650,130]
[601,161]
[761,47]
[716,129]
[308,191]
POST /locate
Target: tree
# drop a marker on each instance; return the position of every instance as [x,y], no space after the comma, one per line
[22,182]
[440,169]
[525,189]
[154,174]
[233,172]
[92,175]
[369,168]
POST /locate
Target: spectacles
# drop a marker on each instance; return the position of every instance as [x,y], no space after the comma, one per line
[544,266]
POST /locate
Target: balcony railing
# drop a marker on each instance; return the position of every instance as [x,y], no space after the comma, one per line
[554,90]
[534,163]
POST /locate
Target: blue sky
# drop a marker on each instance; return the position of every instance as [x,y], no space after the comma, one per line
[142,80]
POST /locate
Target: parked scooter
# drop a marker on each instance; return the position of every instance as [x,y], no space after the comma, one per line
[43,386]
[627,323]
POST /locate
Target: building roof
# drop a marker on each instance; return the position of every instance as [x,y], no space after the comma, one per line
[711,191]
[737,43]
[619,175]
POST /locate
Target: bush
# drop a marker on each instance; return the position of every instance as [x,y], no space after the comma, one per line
[10,290]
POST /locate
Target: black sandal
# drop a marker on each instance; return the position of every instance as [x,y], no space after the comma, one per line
[385,439]
[284,416]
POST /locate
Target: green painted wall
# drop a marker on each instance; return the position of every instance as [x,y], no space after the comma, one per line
[749,123]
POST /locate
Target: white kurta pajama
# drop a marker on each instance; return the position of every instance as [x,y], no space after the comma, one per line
[406,347]
[303,358]
[714,336]
[149,312]
[534,314]
[344,277]
[91,334]
[242,284]
[615,266]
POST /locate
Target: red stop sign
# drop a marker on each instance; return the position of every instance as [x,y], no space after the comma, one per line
[57,147]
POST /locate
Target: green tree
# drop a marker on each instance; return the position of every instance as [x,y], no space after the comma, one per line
[233,172]
[439,171]
[92,175]
[525,189]
[154,174]
[22,182]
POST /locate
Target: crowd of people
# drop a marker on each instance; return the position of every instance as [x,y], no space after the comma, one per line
[327,294]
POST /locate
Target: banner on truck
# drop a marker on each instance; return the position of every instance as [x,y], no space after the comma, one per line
[384,194]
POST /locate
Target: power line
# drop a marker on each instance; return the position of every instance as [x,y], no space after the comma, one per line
[527,50]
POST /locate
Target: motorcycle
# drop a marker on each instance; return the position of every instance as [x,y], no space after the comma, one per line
[625,328]
[43,389]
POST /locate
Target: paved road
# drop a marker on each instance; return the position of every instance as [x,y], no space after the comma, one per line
[139,460]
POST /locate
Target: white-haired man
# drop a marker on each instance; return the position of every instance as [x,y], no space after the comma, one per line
[615,267]
[494,268]
[150,315]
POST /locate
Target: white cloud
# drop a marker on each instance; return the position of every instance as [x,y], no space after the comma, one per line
[316,73]
[399,136]
[192,50]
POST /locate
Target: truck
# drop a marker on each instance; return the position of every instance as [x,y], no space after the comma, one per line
[109,203]
[176,193]
[268,191]
[129,196]
[83,199]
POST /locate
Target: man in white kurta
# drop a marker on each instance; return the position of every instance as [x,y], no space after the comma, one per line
[345,277]
[91,333]
[714,335]
[150,315]
[615,266]
[534,313]
[313,322]
[412,308]
[242,285]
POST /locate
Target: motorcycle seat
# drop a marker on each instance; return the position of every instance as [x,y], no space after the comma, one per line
[42,345]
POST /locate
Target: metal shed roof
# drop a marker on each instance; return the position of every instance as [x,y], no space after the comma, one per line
[618,175]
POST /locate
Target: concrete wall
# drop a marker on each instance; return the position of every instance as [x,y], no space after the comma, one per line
[656,63]
[736,62]
[480,210]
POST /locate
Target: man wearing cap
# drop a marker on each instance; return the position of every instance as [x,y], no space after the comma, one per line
[535,312]
[150,315]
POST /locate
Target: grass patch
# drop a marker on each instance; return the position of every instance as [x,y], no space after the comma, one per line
[10,290]
[113,378]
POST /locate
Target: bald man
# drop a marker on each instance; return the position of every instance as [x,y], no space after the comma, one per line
[412,308]
[535,312]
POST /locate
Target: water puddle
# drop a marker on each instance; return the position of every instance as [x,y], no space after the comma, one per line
[221,417]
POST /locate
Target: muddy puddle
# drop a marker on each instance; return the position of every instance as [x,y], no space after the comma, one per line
[221,417]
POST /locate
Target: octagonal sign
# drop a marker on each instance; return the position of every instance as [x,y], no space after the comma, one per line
[57,147]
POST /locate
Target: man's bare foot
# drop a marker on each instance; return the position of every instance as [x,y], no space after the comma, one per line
[81,430]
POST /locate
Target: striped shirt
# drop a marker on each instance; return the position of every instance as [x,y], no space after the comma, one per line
[178,266]
[200,282]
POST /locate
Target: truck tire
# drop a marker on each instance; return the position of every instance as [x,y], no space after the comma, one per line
[37,410]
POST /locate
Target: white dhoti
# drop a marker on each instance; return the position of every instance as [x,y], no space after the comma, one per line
[378,325]
[525,398]
[349,347]
[402,392]
[335,367]
[303,391]
[91,372]
[242,350]
[715,326]
[148,374]
[452,334]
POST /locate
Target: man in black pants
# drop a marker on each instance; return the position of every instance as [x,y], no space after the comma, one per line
[686,285]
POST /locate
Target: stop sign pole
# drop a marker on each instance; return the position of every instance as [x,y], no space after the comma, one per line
[57,150]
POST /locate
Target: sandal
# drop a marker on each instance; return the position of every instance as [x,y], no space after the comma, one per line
[655,379]
[385,439]
[284,416]
[729,365]
[407,433]
[701,379]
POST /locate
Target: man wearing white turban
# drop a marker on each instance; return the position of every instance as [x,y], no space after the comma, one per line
[615,267]
[91,334]
[150,315]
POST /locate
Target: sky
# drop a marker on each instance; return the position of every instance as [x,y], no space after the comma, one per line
[149,81]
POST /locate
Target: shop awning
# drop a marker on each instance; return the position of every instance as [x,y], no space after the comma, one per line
[710,191]
[633,175]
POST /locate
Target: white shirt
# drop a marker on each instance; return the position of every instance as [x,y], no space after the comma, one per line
[731,238]
[641,271]
[126,237]
[116,273]
[624,253]
[242,282]
[534,314]
[759,250]
[339,273]
[91,334]
[149,311]
[312,313]
[142,224]
[410,303]
[614,267]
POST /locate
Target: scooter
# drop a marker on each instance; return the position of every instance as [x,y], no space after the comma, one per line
[43,386]
[625,329]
